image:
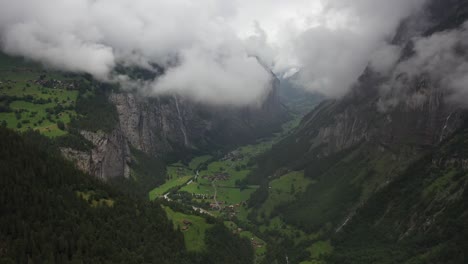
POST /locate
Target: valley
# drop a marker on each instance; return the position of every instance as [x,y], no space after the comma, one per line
[195,194]
[219,187]
[328,134]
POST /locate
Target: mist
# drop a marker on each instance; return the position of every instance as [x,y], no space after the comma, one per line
[441,61]
[214,51]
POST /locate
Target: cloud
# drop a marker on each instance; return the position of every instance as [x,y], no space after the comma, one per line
[66,52]
[330,60]
[201,75]
[331,55]
[202,53]
[441,61]
[209,47]
[385,58]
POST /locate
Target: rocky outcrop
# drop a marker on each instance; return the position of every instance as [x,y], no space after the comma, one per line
[162,125]
[109,158]
[81,159]
[176,126]
[359,144]
[338,125]
[414,113]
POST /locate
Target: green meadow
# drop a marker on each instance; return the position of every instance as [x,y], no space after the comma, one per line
[259,245]
[283,190]
[194,235]
[170,184]
[32,98]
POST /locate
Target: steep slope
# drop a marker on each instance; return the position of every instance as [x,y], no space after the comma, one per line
[172,127]
[101,127]
[52,213]
[174,124]
[421,217]
[357,152]
[296,99]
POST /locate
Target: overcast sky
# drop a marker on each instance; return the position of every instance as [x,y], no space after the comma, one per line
[209,46]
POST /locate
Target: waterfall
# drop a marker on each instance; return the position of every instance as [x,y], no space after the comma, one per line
[181,122]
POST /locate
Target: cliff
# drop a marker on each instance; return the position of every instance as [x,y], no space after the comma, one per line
[413,114]
[356,146]
[109,158]
[174,126]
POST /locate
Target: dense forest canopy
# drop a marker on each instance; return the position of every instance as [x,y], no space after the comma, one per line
[52,213]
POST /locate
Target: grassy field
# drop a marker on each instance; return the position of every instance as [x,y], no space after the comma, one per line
[194,236]
[231,190]
[233,195]
[197,161]
[172,183]
[293,233]
[320,248]
[32,98]
[88,196]
[227,191]
[283,190]
[178,170]
[317,251]
[237,166]
[260,246]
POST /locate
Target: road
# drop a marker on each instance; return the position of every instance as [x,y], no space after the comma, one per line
[215,194]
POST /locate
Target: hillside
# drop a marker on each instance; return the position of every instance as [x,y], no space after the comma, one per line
[168,145]
[53,213]
[113,133]
[86,121]
[420,217]
[379,193]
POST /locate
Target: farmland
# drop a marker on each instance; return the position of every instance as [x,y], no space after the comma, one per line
[193,227]
[217,186]
[34,98]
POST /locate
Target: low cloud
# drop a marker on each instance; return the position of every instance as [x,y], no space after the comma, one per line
[65,52]
[331,55]
[214,51]
[385,58]
[440,61]
[201,77]
[203,55]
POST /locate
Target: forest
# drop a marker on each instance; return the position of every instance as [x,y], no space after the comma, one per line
[53,213]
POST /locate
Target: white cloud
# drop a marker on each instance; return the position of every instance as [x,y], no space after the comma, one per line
[333,53]
[202,73]
[441,61]
[385,58]
[329,42]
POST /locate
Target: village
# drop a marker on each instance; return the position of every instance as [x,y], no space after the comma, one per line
[212,188]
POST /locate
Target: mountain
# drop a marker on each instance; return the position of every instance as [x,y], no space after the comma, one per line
[173,126]
[295,98]
[103,127]
[419,217]
[121,142]
[53,213]
[389,184]
[377,176]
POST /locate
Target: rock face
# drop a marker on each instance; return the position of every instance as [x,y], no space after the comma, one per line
[172,125]
[110,157]
[361,143]
[163,125]
[414,114]
[338,125]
